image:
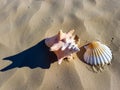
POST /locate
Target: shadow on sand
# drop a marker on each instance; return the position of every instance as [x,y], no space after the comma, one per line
[81,53]
[36,56]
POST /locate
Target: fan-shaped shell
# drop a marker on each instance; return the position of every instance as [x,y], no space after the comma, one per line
[97,54]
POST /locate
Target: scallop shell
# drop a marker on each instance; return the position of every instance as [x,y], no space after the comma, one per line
[63,44]
[97,54]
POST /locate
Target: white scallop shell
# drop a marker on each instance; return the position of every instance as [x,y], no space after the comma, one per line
[97,54]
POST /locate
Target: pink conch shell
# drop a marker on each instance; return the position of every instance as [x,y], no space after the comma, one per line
[63,44]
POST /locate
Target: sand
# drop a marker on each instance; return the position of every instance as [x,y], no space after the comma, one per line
[24,24]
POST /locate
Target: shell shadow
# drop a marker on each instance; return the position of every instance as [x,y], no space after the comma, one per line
[36,56]
[81,53]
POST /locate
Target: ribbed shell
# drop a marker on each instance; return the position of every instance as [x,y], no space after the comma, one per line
[97,54]
[71,45]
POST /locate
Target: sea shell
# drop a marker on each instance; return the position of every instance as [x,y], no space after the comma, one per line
[97,54]
[63,44]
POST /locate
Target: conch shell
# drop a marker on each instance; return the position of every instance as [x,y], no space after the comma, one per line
[63,45]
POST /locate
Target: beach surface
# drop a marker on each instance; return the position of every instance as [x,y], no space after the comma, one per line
[25,60]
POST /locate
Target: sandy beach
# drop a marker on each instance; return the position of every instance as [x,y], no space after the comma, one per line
[26,62]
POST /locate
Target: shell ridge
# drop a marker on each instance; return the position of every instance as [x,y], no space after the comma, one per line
[94,54]
[107,54]
[103,56]
[99,59]
[107,57]
[91,58]
[107,49]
